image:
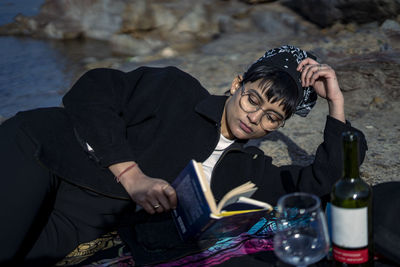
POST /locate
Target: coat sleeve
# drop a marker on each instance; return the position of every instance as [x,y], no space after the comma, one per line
[95,105]
[103,102]
[319,177]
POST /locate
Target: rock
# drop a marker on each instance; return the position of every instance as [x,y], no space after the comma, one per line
[137,17]
[128,44]
[135,27]
[326,12]
[377,102]
[278,21]
[198,22]
[21,26]
[105,63]
[51,31]
[368,72]
[28,23]
[97,19]
[166,16]
[168,52]
[390,27]
[233,17]
[365,175]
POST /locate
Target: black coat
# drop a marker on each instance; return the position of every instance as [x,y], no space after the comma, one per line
[161,118]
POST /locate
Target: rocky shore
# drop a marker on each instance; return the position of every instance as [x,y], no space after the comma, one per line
[216,40]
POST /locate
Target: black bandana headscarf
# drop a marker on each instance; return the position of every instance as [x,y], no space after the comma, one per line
[287,58]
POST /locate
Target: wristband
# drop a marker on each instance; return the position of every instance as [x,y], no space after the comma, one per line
[124,171]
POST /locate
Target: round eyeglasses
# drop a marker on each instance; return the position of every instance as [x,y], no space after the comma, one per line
[250,102]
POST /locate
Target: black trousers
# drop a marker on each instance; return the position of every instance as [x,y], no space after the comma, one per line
[43,217]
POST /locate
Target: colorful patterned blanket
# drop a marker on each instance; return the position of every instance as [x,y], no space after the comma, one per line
[109,250]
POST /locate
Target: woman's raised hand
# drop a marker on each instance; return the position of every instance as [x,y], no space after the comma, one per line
[153,194]
[324,81]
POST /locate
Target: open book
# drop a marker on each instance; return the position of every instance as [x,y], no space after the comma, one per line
[198,216]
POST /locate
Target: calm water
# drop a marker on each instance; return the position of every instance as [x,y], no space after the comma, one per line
[32,74]
[36,73]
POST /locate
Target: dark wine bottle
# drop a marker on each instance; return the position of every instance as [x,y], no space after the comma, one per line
[351,211]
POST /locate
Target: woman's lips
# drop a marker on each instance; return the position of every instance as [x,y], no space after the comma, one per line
[245,128]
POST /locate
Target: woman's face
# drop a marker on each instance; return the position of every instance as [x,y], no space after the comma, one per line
[239,124]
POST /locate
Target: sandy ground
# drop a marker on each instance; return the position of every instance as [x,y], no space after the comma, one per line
[372,104]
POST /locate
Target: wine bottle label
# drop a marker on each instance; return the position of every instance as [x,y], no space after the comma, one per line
[349,227]
[350,256]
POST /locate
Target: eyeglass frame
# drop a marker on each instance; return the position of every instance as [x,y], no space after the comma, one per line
[265,113]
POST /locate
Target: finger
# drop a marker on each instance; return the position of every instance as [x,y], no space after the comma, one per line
[157,195]
[148,207]
[170,192]
[312,71]
[305,73]
[304,62]
[153,198]
[158,208]
[322,72]
[164,202]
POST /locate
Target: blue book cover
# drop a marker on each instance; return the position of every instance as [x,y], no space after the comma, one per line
[193,210]
[197,216]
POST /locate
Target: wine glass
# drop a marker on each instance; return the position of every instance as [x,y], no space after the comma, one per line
[302,234]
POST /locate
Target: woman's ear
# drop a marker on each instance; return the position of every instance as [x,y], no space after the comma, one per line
[236,83]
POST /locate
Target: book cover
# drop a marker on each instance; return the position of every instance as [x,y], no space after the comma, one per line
[197,216]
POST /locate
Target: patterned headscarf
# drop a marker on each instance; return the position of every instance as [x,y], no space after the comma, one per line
[287,58]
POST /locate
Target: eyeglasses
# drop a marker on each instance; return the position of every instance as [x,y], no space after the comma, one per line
[250,102]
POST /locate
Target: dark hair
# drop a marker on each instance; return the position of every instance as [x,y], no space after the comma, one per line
[276,84]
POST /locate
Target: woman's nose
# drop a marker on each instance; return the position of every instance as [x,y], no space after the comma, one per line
[255,117]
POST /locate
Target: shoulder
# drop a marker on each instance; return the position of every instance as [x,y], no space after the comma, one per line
[163,72]
[157,76]
[145,74]
[155,72]
[170,81]
[102,73]
[169,73]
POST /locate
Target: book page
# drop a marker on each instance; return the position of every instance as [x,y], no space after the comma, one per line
[205,186]
[234,212]
[254,202]
[246,189]
[244,205]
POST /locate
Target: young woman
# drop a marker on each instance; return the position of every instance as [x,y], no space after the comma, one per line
[71,174]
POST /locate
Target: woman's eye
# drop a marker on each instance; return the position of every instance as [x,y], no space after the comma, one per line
[270,118]
[253,100]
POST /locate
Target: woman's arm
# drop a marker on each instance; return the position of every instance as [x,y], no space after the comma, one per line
[154,195]
[327,167]
[96,105]
[319,177]
[328,163]
[324,81]
[101,104]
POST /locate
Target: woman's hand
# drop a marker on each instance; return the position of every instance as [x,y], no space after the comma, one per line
[324,81]
[154,195]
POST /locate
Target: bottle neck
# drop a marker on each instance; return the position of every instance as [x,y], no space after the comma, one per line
[350,159]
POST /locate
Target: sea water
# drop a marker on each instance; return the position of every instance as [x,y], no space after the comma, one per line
[37,72]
